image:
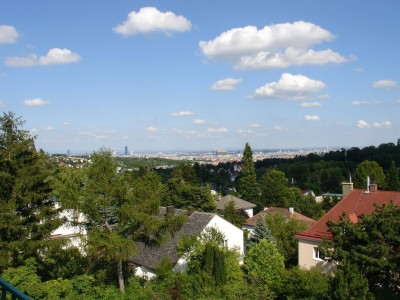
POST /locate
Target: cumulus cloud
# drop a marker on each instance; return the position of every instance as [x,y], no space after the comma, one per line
[255,125]
[280,128]
[35,102]
[55,56]
[182,114]
[199,121]
[151,129]
[8,34]
[227,84]
[384,84]
[274,46]
[364,124]
[365,103]
[311,118]
[150,19]
[294,87]
[311,104]
[217,130]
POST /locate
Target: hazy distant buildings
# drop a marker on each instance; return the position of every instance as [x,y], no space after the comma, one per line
[126,150]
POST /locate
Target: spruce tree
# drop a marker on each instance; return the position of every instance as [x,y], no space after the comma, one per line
[27,214]
[261,231]
[247,186]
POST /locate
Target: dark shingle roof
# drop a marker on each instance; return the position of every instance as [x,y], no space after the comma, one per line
[355,204]
[151,256]
[239,203]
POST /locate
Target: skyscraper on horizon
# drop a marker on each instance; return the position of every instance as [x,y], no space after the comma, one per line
[126,150]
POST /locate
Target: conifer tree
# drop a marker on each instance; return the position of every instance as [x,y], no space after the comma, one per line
[247,186]
[261,231]
[27,215]
[393,183]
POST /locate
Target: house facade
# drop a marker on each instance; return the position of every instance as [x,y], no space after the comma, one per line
[148,258]
[355,202]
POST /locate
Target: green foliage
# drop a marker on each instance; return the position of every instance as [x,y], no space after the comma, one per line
[349,283]
[283,231]
[275,190]
[307,206]
[373,246]
[27,215]
[247,184]
[296,283]
[264,263]
[232,215]
[371,169]
[393,182]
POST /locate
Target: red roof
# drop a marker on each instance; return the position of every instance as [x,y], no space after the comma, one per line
[355,204]
[284,211]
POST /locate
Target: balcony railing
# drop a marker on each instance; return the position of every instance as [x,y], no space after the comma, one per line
[10,292]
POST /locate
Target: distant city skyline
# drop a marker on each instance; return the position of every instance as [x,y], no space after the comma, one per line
[202,75]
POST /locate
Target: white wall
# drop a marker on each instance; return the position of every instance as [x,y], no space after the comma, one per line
[307,259]
[249,212]
[233,235]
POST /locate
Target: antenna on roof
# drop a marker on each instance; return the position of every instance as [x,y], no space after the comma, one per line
[350,178]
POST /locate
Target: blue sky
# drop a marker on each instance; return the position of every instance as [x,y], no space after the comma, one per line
[202,75]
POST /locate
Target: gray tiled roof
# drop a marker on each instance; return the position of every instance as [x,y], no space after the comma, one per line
[239,203]
[151,256]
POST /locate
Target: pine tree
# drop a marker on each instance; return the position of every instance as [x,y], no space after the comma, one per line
[247,186]
[393,182]
[261,231]
[27,215]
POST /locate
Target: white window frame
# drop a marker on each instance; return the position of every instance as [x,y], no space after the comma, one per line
[316,253]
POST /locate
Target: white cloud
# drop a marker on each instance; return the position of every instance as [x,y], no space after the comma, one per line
[359,70]
[364,124]
[8,34]
[2,104]
[311,104]
[311,118]
[199,121]
[245,131]
[151,129]
[33,130]
[150,19]
[66,123]
[365,103]
[49,128]
[255,125]
[227,84]
[274,46]
[182,114]
[2,74]
[289,57]
[55,56]
[384,84]
[217,130]
[294,87]
[35,102]
[279,128]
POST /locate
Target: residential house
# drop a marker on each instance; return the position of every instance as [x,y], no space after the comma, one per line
[239,204]
[288,213]
[355,202]
[148,258]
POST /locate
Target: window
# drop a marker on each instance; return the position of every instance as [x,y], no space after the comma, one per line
[317,254]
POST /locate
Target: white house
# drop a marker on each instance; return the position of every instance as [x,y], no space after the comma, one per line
[148,258]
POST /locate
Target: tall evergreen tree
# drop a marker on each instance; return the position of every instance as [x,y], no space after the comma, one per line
[261,231]
[393,182]
[248,186]
[27,215]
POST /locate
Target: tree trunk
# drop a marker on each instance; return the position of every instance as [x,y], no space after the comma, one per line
[121,277]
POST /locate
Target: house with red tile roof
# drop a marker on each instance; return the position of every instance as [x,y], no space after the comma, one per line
[355,202]
[288,213]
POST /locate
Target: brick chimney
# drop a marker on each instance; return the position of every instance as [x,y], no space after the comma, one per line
[373,187]
[347,187]
[170,211]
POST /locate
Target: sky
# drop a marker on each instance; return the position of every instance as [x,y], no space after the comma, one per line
[201,75]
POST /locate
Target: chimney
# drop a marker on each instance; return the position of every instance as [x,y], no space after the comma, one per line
[373,187]
[190,210]
[347,187]
[291,210]
[368,183]
[170,211]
